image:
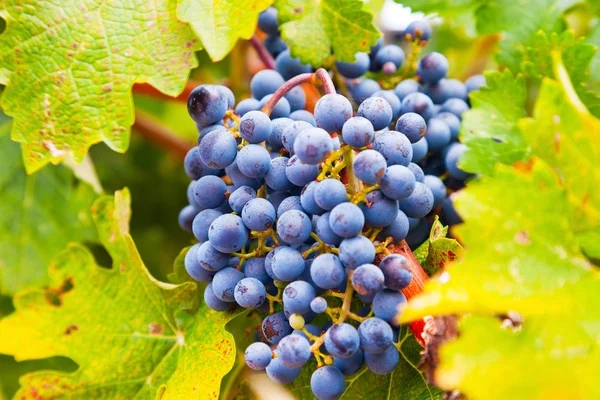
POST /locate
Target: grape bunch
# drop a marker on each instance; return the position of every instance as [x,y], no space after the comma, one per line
[294,210]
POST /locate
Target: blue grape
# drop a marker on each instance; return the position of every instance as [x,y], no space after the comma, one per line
[356,69]
[379,210]
[341,340]
[239,198]
[369,166]
[475,82]
[258,355]
[276,177]
[303,115]
[277,197]
[293,351]
[358,132]
[278,126]
[446,89]
[186,217]
[438,134]
[228,95]
[390,53]
[258,215]
[450,215]
[406,87]
[438,189]
[351,365]
[420,29]
[254,161]
[398,182]
[324,231]
[213,302]
[453,155]
[396,272]
[193,165]
[375,48]
[296,98]
[307,199]
[394,147]
[267,21]
[364,90]
[346,220]
[419,234]
[420,150]
[377,110]
[453,123]
[280,373]
[289,67]
[383,364]
[385,304]
[367,280]
[294,227]
[297,297]
[239,179]
[327,383]
[287,264]
[455,106]
[265,82]
[327,271]
[274,45]
[412,125]
[356,251]
[329,193]
[218,149]
[255,268]
[313,145]
[432,67]
[211,259]
[205,131]
[227,233]
[290,203]
[419,203]
[331,111]
[291,132]
[193,267]
[255,127]
[318,305]
[282,108]
[397,230]
[300,173]
[250,293]
[247,105]
[207,104]
[375,335]
[392,99]
[417,172]
[275,327]
[224,282]
[418,103]
[209,191]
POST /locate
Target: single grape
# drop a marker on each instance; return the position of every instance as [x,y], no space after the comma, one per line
[218,127]
[412,125]
[318,305]
[267,21]
[377,110]
[258,355]
[213,302]
[293,351]
[327,383]
[275,327]
[379,210]
[419,203]
[265,82]
[294,227]
[296,98]
[417,172]
[367,279]
[394,147]
[258,215]
[329,193]
[389,68]
[218,149]
[420,150]
[351,365]
[406,87]
[369,166]
[254,161]
[396,272]
[297,297]
[255,268]
[313,145]
[287,264]
[390,53]
[475,82]
[211,259]
[326,234]
[276,177]
[193,165]
[375,335]
[207,104]
[247,105]
[383,364]
[397,230]
[455,106]
[202,222]
[364,90]
[278,126]
[453,123]
[418,30]
[250,293]
[290,203]
[418,103]
[282,108]
[453,155]
[297,322]
[274,45]
[331,111]
[446,89]
[289,67]
[239,198]
[432,67]
[438,134]
[356,251]
[307,199]
[227,233]
[327,271]
[358,132]
[224,282]
[186,217]
[255,126]
[438,189]
[392,99]
[346,220]
[209,191]
[398,182]
[341,340]
[356,69]
[300,173]
[385,305]
[193,268]
[280,373]
[303,115]
[291,132]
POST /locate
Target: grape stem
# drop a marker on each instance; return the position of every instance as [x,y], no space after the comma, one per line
[159,134]
[262,52]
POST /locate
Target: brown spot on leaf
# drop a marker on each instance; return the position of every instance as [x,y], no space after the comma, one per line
[155,329]
[522,237]
[54,296]
[71,329]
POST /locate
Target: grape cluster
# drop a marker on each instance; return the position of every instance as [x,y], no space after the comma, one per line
[292,209]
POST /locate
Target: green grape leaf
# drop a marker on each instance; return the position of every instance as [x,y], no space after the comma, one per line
[128,332]
[69,67]
[438,250]
[314,30]
[405,382]
[219,23]
[40,215]
[490,128]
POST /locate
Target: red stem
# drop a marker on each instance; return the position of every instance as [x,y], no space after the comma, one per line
[263,53]
[160,135]
[323,75]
